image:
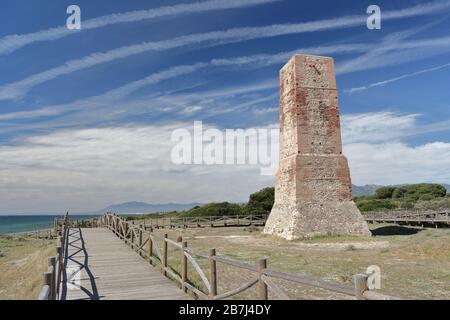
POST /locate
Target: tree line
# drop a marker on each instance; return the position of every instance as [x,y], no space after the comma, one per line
[420,196]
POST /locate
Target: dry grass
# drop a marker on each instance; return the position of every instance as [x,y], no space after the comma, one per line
[22,262]
[414,262]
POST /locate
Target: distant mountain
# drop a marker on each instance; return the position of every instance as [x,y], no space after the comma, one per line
[369,189]
[135,207]
[142,207]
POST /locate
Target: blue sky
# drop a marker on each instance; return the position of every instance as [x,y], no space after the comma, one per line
[86,116]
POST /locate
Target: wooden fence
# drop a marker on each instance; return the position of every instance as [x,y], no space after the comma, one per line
[263,277]
[411,217]
[405,217]
[209,221]
[52,278]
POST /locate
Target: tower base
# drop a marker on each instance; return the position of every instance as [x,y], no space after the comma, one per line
[307,220]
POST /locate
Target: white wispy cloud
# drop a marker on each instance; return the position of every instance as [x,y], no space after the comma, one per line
[11,43]
[257,60]
[398,163]
[395,49]
[386,126]
[111,97]
[20,88]
[404,76]
[64,170]
[107,98]
[374,144]
[377,126]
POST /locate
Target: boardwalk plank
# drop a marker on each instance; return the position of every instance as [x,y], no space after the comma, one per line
[110,270]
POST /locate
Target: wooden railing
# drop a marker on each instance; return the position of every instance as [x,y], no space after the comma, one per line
[410,217]
[52,278]
[262,276]
[209,221]
[435,218]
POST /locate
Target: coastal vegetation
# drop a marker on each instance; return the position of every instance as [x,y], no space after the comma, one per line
[260,202]
[415,196]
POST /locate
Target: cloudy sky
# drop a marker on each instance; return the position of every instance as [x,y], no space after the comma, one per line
[86,116]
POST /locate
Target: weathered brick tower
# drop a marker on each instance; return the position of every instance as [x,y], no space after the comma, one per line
[313,193]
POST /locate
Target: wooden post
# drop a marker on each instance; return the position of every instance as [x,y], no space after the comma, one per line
[262,287]
[52,268]
[150,249]
[47,281]
[165,255]
[140,239]
[59,252]
[184,267]
[213,273]
[360,285]
[132,233]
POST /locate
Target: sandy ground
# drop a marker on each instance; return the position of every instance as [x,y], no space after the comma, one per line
[415,263]
[22,262]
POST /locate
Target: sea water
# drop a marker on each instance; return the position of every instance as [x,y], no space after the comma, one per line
[27,223]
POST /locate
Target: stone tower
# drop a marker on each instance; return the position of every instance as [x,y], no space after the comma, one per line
[313,194]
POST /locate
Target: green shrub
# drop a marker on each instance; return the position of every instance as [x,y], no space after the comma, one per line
[404,204]
[364,198]
[385,192]
[260,202]
[413,192]
[399,192]
[375,205]
[426,197]
[428,190]
[214,209]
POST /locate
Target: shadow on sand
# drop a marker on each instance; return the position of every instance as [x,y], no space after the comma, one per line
[395,231]
[78,257]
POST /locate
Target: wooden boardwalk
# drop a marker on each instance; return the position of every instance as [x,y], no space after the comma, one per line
[114,259]
[100,266]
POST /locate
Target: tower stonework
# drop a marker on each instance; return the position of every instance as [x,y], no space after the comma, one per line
[313,194]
